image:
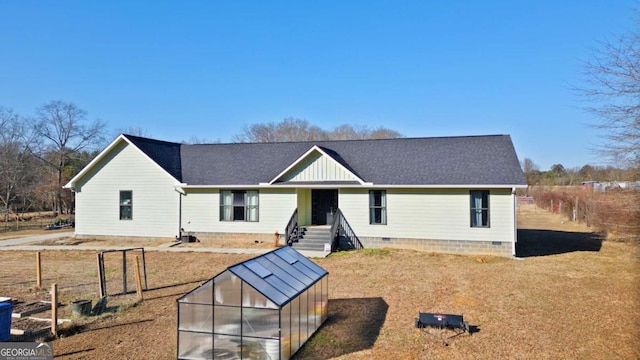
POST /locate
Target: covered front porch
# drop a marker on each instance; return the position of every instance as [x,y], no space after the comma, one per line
[317,223]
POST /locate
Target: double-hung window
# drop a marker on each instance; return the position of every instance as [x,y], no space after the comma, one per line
[479,208]
[378,207]
[126,205]
[239,205]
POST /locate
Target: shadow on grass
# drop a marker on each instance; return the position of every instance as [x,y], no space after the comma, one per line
[353,325]
[160,287]
[82,328]
[548,242]
[76,352]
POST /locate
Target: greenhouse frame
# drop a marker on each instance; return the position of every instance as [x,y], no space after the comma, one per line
[263,308]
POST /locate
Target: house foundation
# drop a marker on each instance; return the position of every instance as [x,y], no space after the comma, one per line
[467,247]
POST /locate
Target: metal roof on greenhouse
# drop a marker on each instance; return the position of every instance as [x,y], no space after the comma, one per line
[280,275]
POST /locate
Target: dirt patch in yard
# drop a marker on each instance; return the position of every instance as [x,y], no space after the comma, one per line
[231,244]
[101,243]
[27,324]
[582,302]
[22,309]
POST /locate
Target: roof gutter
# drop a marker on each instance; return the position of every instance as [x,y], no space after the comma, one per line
[353,186]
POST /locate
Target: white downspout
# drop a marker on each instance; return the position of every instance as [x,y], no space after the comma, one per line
[515,220]
[181,193]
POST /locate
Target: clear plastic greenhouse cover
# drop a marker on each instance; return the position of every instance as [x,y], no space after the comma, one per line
[262,308]
[277,285]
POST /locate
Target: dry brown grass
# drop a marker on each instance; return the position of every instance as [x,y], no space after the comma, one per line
[30,232]
[573,302]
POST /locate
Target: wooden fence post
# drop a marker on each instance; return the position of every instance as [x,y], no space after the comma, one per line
[54,309]
[136,271]
[124,272]
[101,276]
[38,271]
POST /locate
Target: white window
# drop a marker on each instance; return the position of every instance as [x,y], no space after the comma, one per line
[126,205]
[479,208]
[239,205]
[378,207]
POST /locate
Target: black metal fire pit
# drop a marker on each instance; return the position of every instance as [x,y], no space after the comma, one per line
[451,322]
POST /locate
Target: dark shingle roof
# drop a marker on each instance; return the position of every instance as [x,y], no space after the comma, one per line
[165,154]
[464,160]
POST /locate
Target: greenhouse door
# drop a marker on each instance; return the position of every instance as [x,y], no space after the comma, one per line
[324,203]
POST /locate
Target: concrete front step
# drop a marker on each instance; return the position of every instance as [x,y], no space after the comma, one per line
[313,238]
[309,247]
[315,245]
[307,238]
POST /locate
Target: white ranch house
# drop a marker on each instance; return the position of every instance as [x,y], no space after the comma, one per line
[448,194]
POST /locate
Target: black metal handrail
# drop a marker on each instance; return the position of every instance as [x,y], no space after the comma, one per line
[341,227]
[292,230]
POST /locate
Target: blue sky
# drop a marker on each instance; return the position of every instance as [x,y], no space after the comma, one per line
[423,68]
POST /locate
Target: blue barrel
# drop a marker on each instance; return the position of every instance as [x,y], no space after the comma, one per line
[5,320]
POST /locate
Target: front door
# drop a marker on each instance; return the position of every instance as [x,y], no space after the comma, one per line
[324,203]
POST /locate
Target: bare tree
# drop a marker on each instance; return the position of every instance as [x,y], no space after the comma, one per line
[60,132]
[14,158]
[348,132]
[132,130]
[613,88]
[200,140]
[572,175]
[384,133]
[292,129]
[351,132]
[531,171]
[528,165]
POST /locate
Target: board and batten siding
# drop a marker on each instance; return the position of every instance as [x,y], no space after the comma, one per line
[304,207]
[154,199]
[201,212]
[438,214]
[317,167]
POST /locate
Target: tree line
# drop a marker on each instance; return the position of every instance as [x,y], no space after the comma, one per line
[559,175]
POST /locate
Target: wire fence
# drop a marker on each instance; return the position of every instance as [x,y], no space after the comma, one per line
[33,221]
[616,213]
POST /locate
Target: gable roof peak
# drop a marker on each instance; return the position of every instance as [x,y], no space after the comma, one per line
[150,140]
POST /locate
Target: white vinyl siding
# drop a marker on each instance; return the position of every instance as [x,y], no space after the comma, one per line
[201,212]
[441,214]
[155,212]
[317,167]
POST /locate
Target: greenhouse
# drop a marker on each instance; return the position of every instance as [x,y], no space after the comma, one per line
[262,308]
